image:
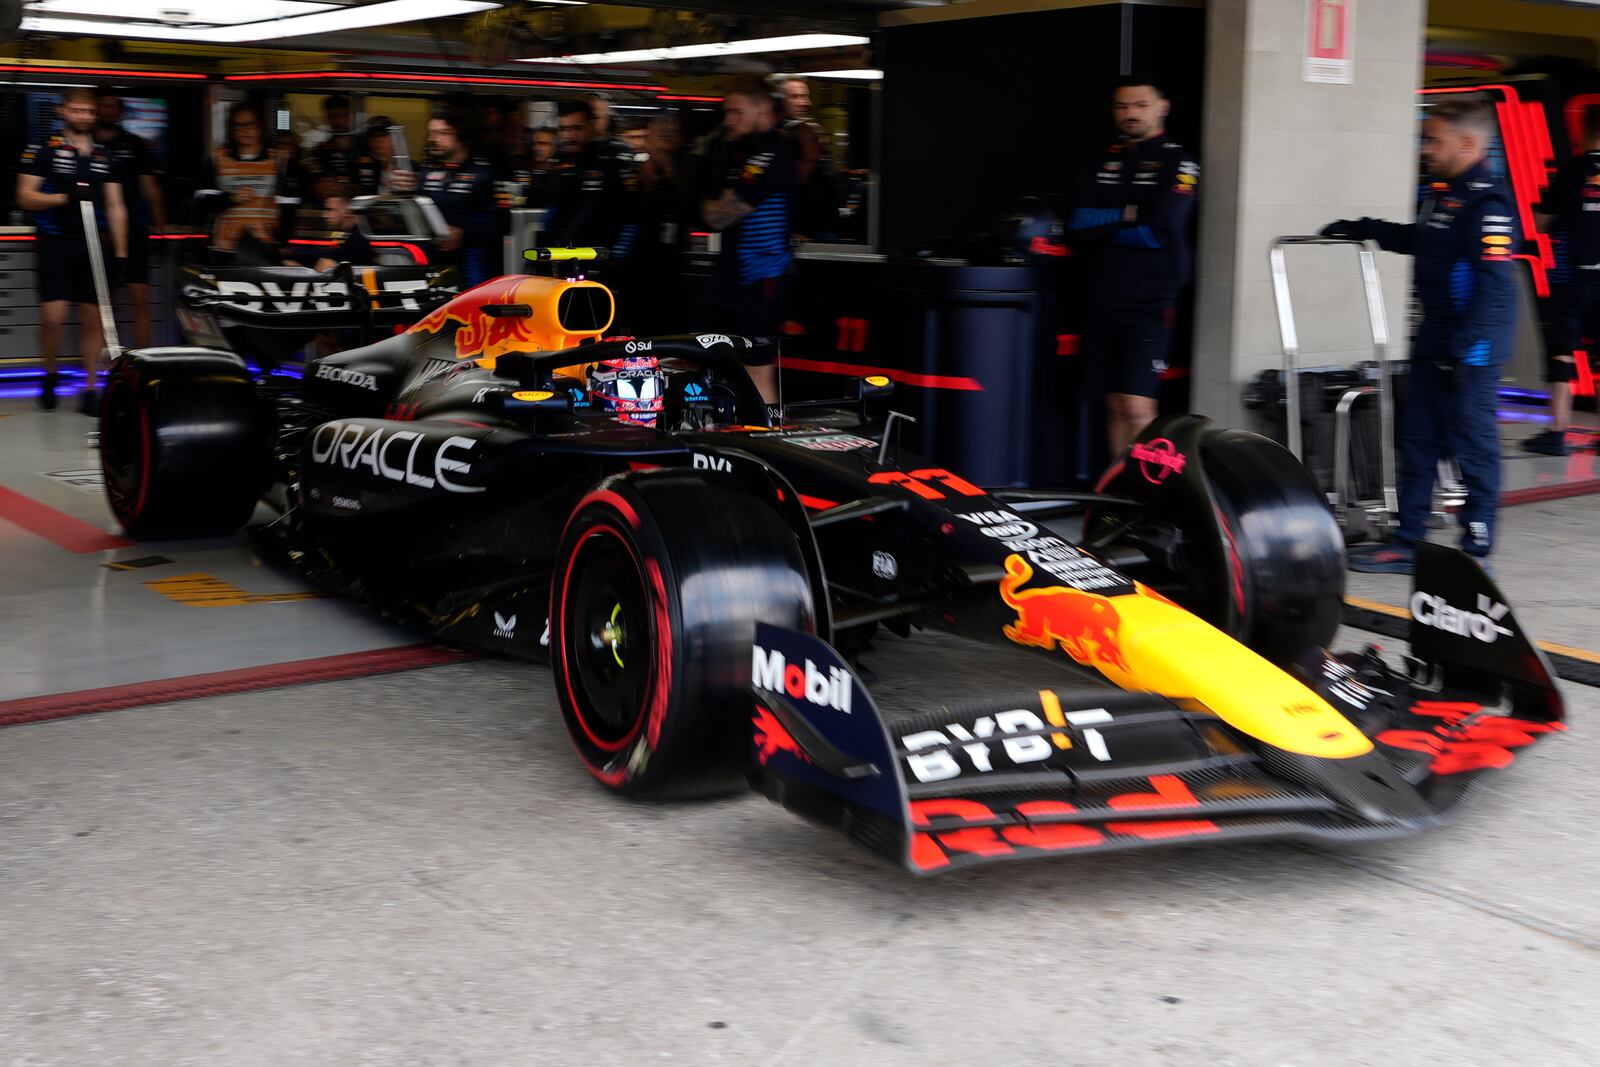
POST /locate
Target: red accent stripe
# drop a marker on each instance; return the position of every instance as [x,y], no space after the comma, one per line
[218,683]
[905,377]
[817,503]
[58,527]
[360,75]
[106,71]
[1534,494]
[416,251]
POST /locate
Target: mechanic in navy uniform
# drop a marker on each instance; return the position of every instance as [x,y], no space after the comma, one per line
[331,165]
[53,181]
[1132,214]
[592,205]
[749,200]
[135,173]
[1465,241]
[1570,213]
[461,185]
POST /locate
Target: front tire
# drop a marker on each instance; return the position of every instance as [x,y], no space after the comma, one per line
[660,580]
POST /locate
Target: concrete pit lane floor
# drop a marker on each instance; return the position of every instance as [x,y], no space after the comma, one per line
[413,869]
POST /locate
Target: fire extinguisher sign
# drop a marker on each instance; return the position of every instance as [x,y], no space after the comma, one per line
[1330,41]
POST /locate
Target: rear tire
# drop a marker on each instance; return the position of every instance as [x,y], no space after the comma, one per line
[182,444]
[660,580]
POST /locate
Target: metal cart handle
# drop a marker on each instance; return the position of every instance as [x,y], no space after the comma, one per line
[1377,323]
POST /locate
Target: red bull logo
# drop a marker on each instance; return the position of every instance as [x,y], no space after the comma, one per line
[478,334]
[771,738]
[1084,625]
[1158,460]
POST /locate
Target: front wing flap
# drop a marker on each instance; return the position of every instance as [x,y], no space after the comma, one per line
[1052,771]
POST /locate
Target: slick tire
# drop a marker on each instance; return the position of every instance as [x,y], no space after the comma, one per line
[659,582]
[1286,560]
[182,444]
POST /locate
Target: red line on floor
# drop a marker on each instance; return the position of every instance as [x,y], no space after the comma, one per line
[219,683]
[1534,494]
[72,534]
[905,377]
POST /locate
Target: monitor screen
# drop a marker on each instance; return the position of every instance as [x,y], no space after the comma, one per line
[145,116]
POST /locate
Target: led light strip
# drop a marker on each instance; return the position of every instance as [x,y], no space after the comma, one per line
[794,43]
[386,13]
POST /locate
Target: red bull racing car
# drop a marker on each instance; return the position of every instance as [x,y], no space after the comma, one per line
[701,572]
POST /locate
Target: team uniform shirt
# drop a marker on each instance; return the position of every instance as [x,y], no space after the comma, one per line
[464,194]
[252,185]
[131,158]
[330,160]
[761,173]
[369,175]
[61,166]
[589,206]
[353,248]
[1574,199]
[1465,241]
[1144,258]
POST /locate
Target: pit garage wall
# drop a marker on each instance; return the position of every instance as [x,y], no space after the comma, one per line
[1285,156]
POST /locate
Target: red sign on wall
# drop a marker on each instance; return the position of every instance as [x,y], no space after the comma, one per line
[1330,41]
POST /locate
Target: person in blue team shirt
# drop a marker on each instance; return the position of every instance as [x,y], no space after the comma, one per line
[55,179]
[748,200]
[1465,242]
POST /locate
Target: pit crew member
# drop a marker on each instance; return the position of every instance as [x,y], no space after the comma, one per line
[1132,214]
[461,185]
[135,172]
[1570,213]
[1465,241]
[748,202]
[54,180]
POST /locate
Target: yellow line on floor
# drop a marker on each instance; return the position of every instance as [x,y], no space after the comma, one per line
[1400,613]
[1373,605]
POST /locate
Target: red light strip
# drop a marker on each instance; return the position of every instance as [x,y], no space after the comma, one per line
[358,75]
[105,72]
[153,237]
[905,377]
[1584,386]
[416,250]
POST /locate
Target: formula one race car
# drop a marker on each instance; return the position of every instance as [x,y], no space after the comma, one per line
[699,573]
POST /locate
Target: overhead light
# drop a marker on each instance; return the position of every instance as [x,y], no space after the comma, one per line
[798,42]
[387,13]
[178,12]
[861,74]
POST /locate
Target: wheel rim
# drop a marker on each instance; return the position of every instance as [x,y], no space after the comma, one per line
[607,639]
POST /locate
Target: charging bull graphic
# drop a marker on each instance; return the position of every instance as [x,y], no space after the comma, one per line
[1085,625]
[771,738]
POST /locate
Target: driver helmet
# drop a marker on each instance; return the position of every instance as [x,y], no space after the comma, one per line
[631,389]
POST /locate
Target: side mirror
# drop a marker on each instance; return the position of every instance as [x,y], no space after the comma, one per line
[874,385]
[536,402]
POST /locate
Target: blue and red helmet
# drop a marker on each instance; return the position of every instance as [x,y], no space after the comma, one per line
[631,389]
